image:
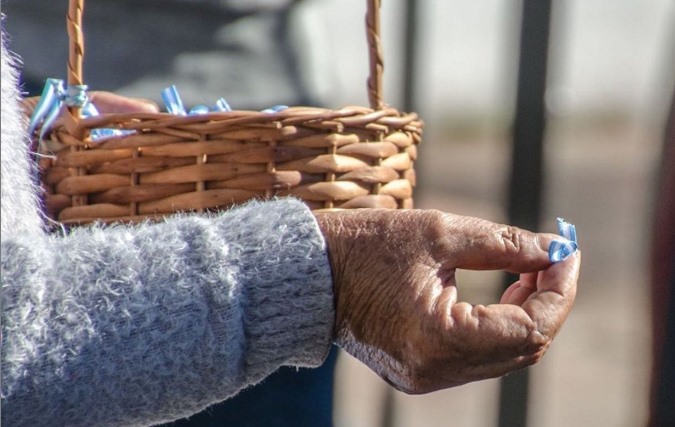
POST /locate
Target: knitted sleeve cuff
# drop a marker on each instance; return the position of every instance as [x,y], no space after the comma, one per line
[286,284]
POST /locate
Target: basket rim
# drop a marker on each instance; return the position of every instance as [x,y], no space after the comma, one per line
[350,118]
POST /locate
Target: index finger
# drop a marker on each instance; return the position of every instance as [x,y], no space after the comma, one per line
[108,102]
[478,244]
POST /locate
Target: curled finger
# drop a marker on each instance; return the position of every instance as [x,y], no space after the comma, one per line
[556,291]
[108,102]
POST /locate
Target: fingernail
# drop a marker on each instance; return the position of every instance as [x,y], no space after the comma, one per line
[150,106]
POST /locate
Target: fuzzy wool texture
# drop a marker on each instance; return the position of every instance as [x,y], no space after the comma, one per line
[137,325]
[20,196]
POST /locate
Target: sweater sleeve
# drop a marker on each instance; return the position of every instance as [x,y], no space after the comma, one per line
[136,325]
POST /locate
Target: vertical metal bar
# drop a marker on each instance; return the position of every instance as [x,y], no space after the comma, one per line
[527,168]
[662,400]
[410,14]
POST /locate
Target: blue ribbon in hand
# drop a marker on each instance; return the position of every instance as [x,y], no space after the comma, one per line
[561,249]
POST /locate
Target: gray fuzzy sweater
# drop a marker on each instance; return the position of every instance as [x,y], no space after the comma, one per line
[136,325]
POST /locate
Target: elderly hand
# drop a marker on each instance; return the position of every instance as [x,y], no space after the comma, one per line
[396,296]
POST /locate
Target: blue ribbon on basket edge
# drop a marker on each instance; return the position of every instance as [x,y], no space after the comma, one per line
[560,249]
[174,105]
[54,96]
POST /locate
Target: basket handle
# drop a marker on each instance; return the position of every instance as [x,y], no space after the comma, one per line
[375,55]
[76,53]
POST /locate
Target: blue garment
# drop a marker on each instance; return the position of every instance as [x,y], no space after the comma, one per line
[289,397]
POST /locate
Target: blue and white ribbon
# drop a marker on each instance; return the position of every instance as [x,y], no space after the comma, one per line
[561,249]
[222,105]
[174,105]
[172,101]
[54,96]
[275,109]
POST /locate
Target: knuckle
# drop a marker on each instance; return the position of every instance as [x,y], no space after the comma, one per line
[537,344]
[435,220]
[512,238]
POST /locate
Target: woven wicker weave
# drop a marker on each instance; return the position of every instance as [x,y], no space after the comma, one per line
[352,157]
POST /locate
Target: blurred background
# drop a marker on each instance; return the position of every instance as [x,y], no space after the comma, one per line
[605,84]
[611,67]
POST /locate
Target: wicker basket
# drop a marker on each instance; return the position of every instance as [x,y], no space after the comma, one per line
[354,157]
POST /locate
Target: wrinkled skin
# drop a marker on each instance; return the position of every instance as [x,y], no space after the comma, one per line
[396,295]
